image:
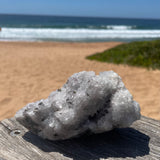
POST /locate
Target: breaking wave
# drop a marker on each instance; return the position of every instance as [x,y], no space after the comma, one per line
[111,32]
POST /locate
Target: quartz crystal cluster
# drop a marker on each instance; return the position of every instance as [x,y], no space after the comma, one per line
[86,103]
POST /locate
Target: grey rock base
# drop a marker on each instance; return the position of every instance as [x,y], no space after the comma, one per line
[87,102]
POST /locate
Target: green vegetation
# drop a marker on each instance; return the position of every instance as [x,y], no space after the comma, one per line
[142,54]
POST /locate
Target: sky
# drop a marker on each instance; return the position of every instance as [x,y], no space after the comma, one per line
[91,8]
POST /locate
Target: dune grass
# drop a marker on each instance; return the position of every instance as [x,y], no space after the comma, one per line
[142,54]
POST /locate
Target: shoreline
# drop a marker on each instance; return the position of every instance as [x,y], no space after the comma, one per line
[30,71]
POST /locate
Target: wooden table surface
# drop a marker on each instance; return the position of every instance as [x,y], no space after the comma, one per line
[140,141]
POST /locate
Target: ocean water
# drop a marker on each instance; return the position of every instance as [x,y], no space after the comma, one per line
[80,29]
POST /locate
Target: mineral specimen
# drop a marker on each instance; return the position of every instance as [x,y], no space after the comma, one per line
[87,102]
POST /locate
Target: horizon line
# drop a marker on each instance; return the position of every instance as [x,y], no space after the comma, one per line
[49,15]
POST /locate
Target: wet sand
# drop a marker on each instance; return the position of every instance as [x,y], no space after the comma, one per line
[29,71]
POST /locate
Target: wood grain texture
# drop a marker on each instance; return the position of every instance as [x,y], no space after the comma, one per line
[140,141]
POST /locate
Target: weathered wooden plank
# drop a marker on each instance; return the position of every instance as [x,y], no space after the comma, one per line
[140,141]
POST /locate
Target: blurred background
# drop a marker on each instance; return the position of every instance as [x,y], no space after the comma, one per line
[43,42]
[84,21]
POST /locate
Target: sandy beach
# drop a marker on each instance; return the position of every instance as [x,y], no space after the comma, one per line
[29,71]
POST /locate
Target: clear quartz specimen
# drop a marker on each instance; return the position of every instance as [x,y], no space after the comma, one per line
[87,102]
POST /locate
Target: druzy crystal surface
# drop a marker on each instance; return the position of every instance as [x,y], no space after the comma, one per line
[87,102]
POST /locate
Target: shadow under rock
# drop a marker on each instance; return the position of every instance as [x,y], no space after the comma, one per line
[121,143]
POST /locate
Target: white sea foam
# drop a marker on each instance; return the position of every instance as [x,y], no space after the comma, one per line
[119,27]
[33,34]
